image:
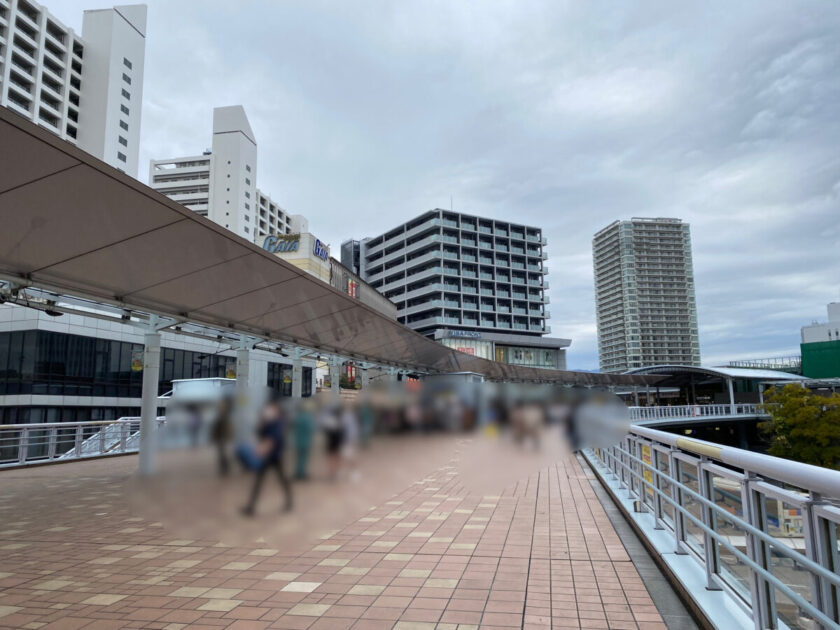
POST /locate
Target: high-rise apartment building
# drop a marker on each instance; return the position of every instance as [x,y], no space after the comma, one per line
[88,90]
[221,183]
[474,284]
[644,294]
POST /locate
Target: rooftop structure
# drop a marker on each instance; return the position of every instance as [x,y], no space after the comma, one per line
[644,294]
[821,346]
[86,89]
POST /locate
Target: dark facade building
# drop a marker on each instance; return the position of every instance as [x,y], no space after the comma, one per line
[77,368]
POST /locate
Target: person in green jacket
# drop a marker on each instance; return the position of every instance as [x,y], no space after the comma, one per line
[304,432]
[366,421]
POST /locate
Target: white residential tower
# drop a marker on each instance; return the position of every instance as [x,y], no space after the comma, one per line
[88,90]
[221,183]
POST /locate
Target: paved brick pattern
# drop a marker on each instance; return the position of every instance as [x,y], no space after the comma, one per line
[540,554]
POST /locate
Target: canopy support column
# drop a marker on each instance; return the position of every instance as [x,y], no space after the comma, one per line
[636,395]
[731,395]
[297,374]
[149,401]
[335,364]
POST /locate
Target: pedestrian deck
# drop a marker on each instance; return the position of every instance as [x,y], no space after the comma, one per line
[540,553]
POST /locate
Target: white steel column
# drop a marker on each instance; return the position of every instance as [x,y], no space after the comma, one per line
[297,375]
[243,367]
[148,410]
[335,363]
[365,378]
[761,393]
[636,395]
[731,396]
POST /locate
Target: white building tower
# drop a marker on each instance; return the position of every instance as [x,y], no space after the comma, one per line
[88,90]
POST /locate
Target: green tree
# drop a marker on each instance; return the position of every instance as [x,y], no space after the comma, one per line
[803,426]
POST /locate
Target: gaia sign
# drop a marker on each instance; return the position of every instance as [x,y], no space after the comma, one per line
[321,250]
[276,243]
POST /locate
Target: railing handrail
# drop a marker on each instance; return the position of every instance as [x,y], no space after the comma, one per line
[657,412]
[806,476]
[660,470]
[50,425]
[38,443]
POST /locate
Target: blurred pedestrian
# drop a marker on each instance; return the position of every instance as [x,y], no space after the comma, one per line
[350,437]
[366,419]
[269,450]
[304,432]
[222,433]
[330,423]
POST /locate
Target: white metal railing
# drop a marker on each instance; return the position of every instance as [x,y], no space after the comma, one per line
[761,530]
[642,414]
[23,444]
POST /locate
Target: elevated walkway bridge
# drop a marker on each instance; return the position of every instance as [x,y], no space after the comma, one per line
[537,551]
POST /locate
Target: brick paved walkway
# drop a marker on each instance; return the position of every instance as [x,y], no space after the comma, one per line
[540,554]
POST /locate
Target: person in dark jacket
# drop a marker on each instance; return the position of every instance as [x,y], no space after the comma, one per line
[272,441]
[222,434]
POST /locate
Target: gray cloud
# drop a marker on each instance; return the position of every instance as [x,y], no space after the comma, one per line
[564,115]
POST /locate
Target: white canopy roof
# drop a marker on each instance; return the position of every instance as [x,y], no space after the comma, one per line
[72,224]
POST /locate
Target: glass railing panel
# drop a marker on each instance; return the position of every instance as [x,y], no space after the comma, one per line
[726,493]
[693,534]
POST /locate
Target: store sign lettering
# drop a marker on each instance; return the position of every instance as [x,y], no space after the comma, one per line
[321,250]
[465,333]
[278,243]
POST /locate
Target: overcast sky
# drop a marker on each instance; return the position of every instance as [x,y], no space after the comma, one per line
[563,115]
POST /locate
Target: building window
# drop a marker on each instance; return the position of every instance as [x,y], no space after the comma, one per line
[247,194]
[246,229]
[123,141]
[126,95]
[126,63]
[124,125]
[121,156]
[126,78]
[247,181]
[247,168]
[247,218]
[124,109]
[247,207]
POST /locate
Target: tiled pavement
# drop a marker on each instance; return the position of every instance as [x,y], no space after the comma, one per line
[540,554]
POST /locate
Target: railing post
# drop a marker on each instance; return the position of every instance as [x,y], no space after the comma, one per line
[52,443]
[828,555]
[102,438]
[761,591]
[814,550]
[123,436]
[676,495]
[23,446]
[658,517]
[77,448]
[712,557]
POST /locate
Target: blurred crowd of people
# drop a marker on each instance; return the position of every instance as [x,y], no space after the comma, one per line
[268,435]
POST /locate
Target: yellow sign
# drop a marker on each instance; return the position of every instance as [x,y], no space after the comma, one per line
[647,473]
